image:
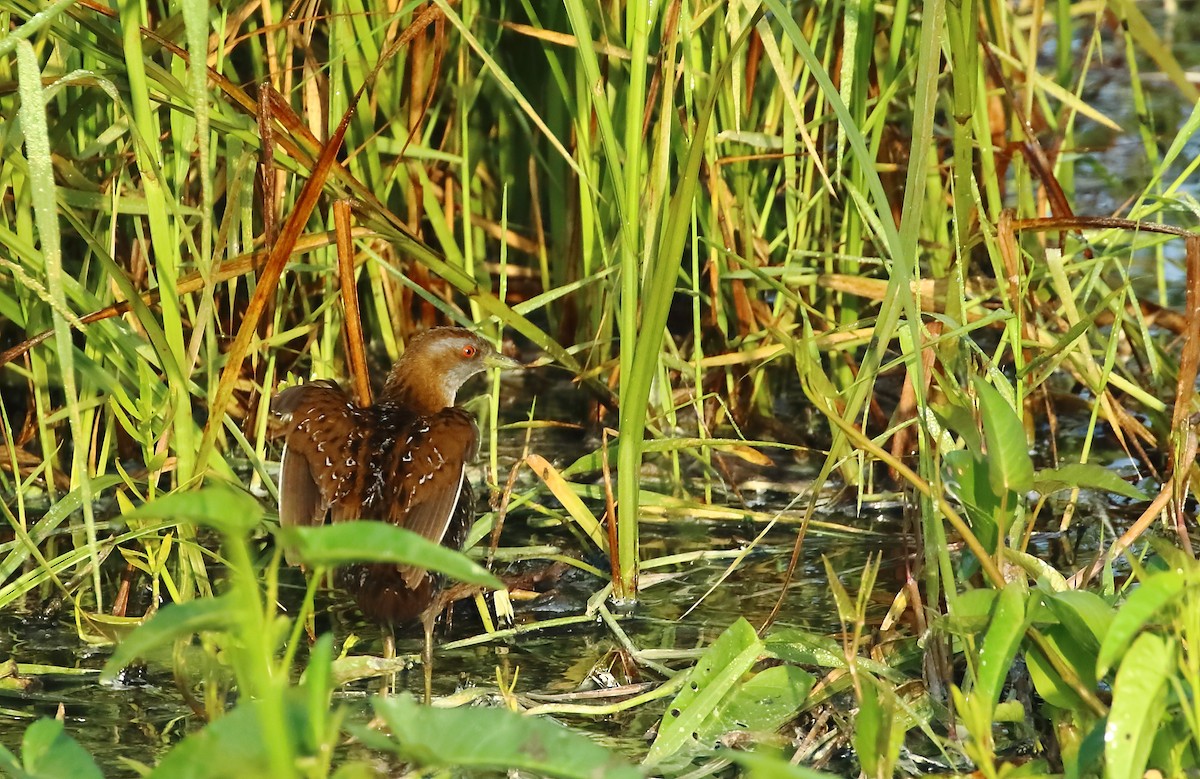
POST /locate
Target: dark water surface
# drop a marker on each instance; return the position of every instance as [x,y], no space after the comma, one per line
[141,719]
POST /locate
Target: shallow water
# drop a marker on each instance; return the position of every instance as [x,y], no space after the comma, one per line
[142,718]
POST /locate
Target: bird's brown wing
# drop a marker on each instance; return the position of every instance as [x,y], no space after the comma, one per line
[321,434]
[300,501]
[433,482]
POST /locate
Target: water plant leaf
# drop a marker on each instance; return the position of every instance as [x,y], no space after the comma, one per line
[496,739]
[233,512]
[1010,468]
[102,629]
[54,516]
[1166,557]
[351,668]
[1044,572]
[10,765]
[49,752]
[1091,752]
[169,623]
[1143,605]
[367,541]
[1137,706]
[969,485]
[1084,614]
[1084,476]
[803,648]
[640,360]
[961,421]
[1000,644]
[720,667]
[762,704]
[841,597]
[1142,31]
[971,612]
[317,684]
[1048,681]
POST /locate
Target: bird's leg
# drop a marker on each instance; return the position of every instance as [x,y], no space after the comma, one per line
[389,653]
[427,620]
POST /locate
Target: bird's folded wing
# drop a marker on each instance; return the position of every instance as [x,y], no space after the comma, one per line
[308,433]
[291,405]
[300,500]
[435,479]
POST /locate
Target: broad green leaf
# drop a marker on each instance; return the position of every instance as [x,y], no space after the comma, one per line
[1004,635]
[961,421]
[230,511]
[493,739]
[1085,615]
[1048,683]
[317,684]
[1091,752]
[1087,476]
[968,483]
[762,704]
[971,613]
[720,667]
[234,745]
[975,604]
[1137,708]
[367,541]
[803,648]
[169,623]
[1167,557]
[1010,468]
[1142,606]
[10,766]
[48,752]
[1046,679]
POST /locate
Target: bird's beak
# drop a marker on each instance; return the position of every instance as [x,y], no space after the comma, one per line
[503,362]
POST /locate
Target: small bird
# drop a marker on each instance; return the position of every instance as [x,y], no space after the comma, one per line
[402,460]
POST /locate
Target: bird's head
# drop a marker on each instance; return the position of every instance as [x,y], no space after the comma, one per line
[435,365]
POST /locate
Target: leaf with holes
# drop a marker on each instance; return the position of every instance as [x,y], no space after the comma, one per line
[761,704]
[720,668]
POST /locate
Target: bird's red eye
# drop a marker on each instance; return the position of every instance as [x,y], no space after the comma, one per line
[469,351]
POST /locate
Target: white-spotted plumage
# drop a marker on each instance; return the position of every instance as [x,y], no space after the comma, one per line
[343,460]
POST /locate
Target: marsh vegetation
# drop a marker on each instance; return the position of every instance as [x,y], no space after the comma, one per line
[857,435]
